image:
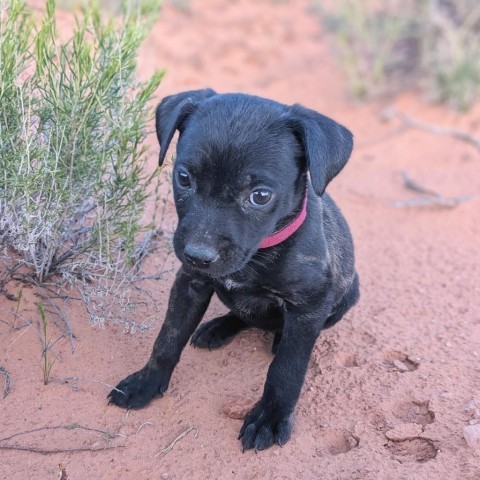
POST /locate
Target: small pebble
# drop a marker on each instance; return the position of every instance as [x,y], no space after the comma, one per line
[238,407]
[472,436]
[400,366]
[473,408]
[415,361]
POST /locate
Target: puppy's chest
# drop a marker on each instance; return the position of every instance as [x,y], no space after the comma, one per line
[247,299]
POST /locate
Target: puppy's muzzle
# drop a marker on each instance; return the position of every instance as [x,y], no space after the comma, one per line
[200,256]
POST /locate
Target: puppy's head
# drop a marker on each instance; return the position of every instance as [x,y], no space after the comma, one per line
[241,170]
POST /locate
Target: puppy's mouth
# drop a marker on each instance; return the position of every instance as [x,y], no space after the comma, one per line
[219,266]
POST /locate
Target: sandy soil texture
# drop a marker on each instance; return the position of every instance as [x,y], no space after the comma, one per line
[391,389]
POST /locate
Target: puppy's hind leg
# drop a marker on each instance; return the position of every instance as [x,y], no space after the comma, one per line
[347,302]
[217,332]
[276,340]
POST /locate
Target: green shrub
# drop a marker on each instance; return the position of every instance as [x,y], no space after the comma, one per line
[73,117]
[452,52]
[391,45]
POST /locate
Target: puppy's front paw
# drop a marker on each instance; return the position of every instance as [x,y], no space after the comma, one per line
[139,388]
[264,426]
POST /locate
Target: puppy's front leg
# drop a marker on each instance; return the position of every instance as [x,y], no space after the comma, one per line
[189,299]
[271,420]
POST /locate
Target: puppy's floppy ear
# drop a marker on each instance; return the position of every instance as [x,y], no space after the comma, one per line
[171,114]
[327,145]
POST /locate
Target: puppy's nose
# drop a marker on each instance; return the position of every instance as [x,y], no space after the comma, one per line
[200,256]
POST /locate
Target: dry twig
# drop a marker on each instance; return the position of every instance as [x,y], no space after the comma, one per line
[411,184]
[141,426]
[169,447]
[467,137]
[429,197]
[432,202]
[76,379]
[47,451]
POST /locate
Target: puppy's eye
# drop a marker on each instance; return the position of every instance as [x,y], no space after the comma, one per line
[183,179]
[260,197]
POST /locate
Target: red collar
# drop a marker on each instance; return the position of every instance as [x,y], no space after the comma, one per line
[288,230]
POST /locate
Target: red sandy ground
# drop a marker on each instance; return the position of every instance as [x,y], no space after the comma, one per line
[407,354]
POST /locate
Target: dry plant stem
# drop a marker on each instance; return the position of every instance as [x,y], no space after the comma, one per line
[139,429]
[19,336]
[432,202]
[8,382]
[167,449]
[50,345]
[46,344]
[431,128]
[411,184]
[69,333]
[46,451]
[145,247]
[20,295]
[76,379]
[430,198]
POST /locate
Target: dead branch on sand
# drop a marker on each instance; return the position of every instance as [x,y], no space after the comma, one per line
[169,447]
[429,198]
[409,121]
[47,451]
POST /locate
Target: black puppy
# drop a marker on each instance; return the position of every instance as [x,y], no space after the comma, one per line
[257,228]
